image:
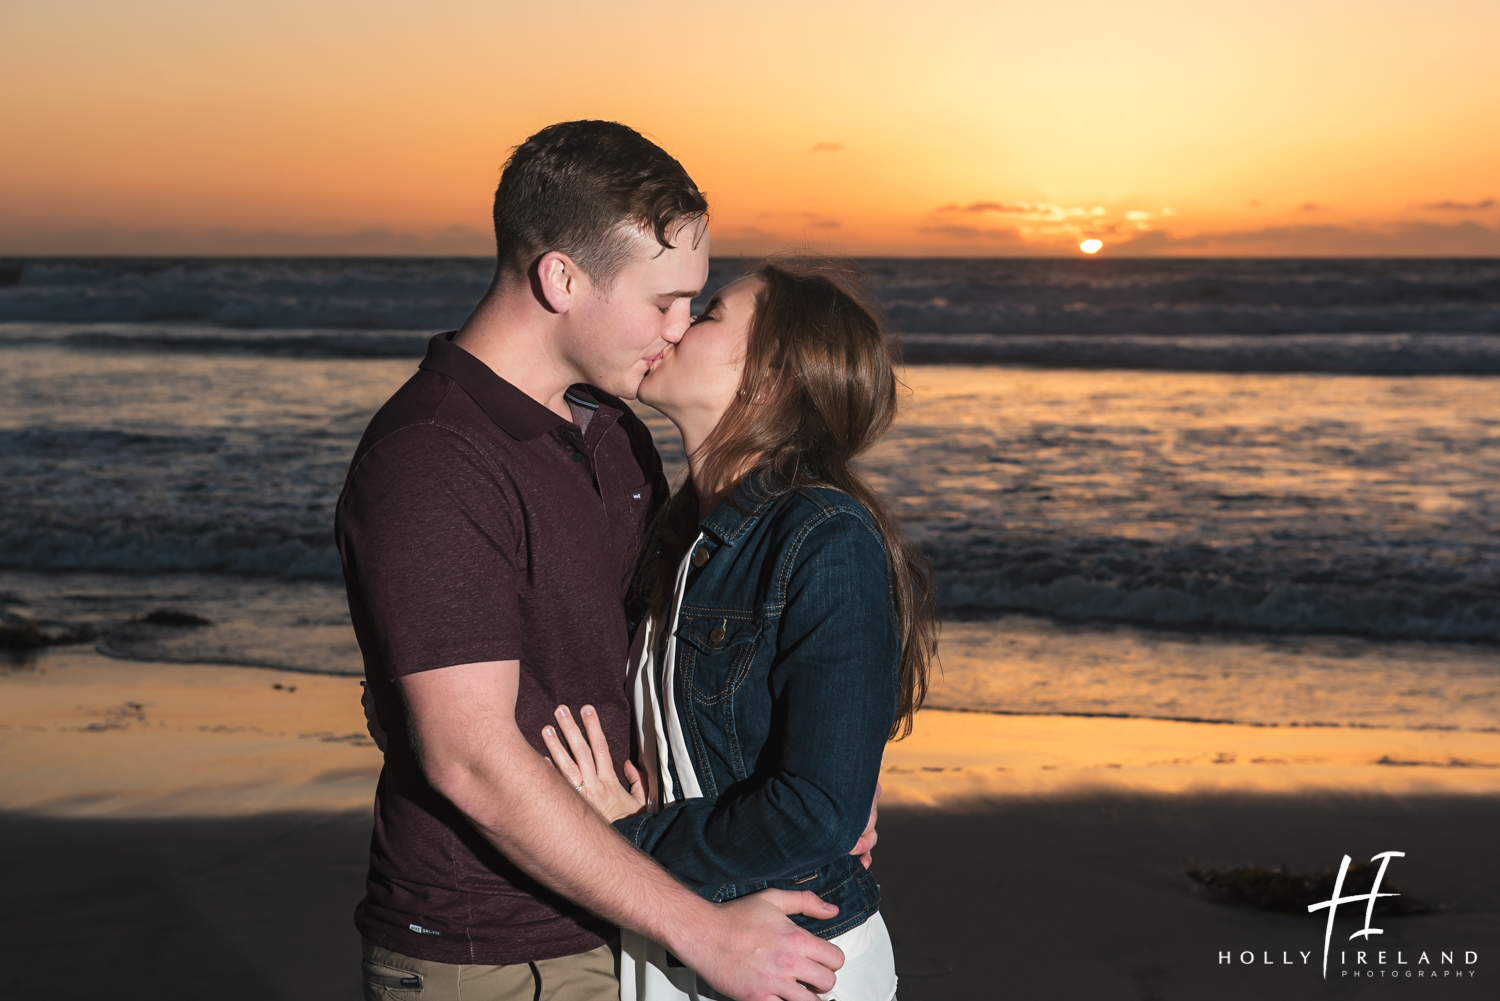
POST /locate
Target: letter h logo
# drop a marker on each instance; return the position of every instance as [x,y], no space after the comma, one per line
[1372,896]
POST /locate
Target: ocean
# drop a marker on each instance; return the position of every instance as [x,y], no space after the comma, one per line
[1240,490]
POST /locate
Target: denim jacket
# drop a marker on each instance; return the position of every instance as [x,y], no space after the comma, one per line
[786,686]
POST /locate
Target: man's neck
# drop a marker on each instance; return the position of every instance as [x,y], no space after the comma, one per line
[516,338]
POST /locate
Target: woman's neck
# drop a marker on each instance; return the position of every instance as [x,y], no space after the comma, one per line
[711,485]
[710,493]
[695,434]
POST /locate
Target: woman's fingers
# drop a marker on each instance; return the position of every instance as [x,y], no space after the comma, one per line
[637,784]
[561,759]
[597,741]
[583,756]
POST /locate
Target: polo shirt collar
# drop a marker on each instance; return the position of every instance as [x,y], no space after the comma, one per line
[515,413]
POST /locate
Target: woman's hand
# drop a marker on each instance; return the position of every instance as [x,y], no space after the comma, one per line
[587,766]
[865,846]
[371,723]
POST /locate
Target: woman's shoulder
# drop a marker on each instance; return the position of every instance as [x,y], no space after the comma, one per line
[822,508]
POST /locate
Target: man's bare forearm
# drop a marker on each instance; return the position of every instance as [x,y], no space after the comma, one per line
[527,810]
[464,729]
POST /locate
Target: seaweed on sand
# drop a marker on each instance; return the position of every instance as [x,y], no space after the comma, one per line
[172,617]
[20,636]
[1284,891]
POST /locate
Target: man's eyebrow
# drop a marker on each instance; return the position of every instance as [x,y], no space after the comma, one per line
[679,294]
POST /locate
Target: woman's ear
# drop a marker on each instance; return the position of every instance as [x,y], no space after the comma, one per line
[767,389]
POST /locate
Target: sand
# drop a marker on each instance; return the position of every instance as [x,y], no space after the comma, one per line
[85,735]
[183,831]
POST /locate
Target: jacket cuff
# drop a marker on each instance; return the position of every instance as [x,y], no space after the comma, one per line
[631,828]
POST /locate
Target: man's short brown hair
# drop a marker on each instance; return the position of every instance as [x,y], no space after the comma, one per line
[569,187]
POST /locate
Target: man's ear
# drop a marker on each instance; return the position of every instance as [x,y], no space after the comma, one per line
[558,281]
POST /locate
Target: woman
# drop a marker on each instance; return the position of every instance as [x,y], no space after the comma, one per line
[788,626]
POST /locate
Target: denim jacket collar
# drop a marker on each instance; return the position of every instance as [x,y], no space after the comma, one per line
[739,512]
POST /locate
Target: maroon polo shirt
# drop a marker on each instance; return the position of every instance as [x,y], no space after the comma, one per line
[477,525]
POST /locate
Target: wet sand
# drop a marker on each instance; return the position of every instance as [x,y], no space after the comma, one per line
[176,831]
[86,735]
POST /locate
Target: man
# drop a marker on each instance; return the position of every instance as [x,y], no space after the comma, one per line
[488,528]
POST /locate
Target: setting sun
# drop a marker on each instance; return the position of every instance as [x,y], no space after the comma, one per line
[1091,246]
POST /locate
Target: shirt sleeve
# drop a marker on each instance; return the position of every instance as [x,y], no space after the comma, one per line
[833,684]
[429,534]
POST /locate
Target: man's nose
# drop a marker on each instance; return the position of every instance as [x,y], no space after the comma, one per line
[678,327]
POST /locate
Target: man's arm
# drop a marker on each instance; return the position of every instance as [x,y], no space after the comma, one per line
[463,726]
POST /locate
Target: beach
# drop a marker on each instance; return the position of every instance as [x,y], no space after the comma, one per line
[201,831]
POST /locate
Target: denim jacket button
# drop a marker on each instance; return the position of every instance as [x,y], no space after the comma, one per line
[716,634]
[700,556]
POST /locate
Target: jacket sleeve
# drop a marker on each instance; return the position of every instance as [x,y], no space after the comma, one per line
[833,684]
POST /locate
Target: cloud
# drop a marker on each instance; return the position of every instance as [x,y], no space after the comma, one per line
[817,221]
[987,207]
[1042,211]
[827,147]
[1449,206]
[1312,207]
[970,234]
[1412,239]
[1016,208]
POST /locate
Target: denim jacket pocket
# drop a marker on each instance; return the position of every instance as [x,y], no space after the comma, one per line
[722,651]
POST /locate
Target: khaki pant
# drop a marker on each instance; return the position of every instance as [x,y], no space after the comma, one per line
[588,976]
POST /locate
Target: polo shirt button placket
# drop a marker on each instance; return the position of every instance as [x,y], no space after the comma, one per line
[572,437]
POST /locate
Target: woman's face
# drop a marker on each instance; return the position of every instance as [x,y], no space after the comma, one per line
[695,380]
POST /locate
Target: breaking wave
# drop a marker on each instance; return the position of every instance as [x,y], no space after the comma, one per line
[1289,586]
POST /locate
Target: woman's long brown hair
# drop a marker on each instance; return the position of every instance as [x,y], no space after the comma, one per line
[826,372]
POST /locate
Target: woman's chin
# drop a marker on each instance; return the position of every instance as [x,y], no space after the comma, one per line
[649,391]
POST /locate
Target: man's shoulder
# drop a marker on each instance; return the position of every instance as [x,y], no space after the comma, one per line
[426,398]
[422,430]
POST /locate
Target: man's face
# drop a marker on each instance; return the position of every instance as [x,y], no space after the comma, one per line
[613,338]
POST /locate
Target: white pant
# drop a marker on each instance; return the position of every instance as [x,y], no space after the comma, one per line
[868,973]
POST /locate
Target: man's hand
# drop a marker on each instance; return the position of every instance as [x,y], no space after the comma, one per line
[866,843]
[750,951]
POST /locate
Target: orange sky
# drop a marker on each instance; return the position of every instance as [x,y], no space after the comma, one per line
[945,127]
